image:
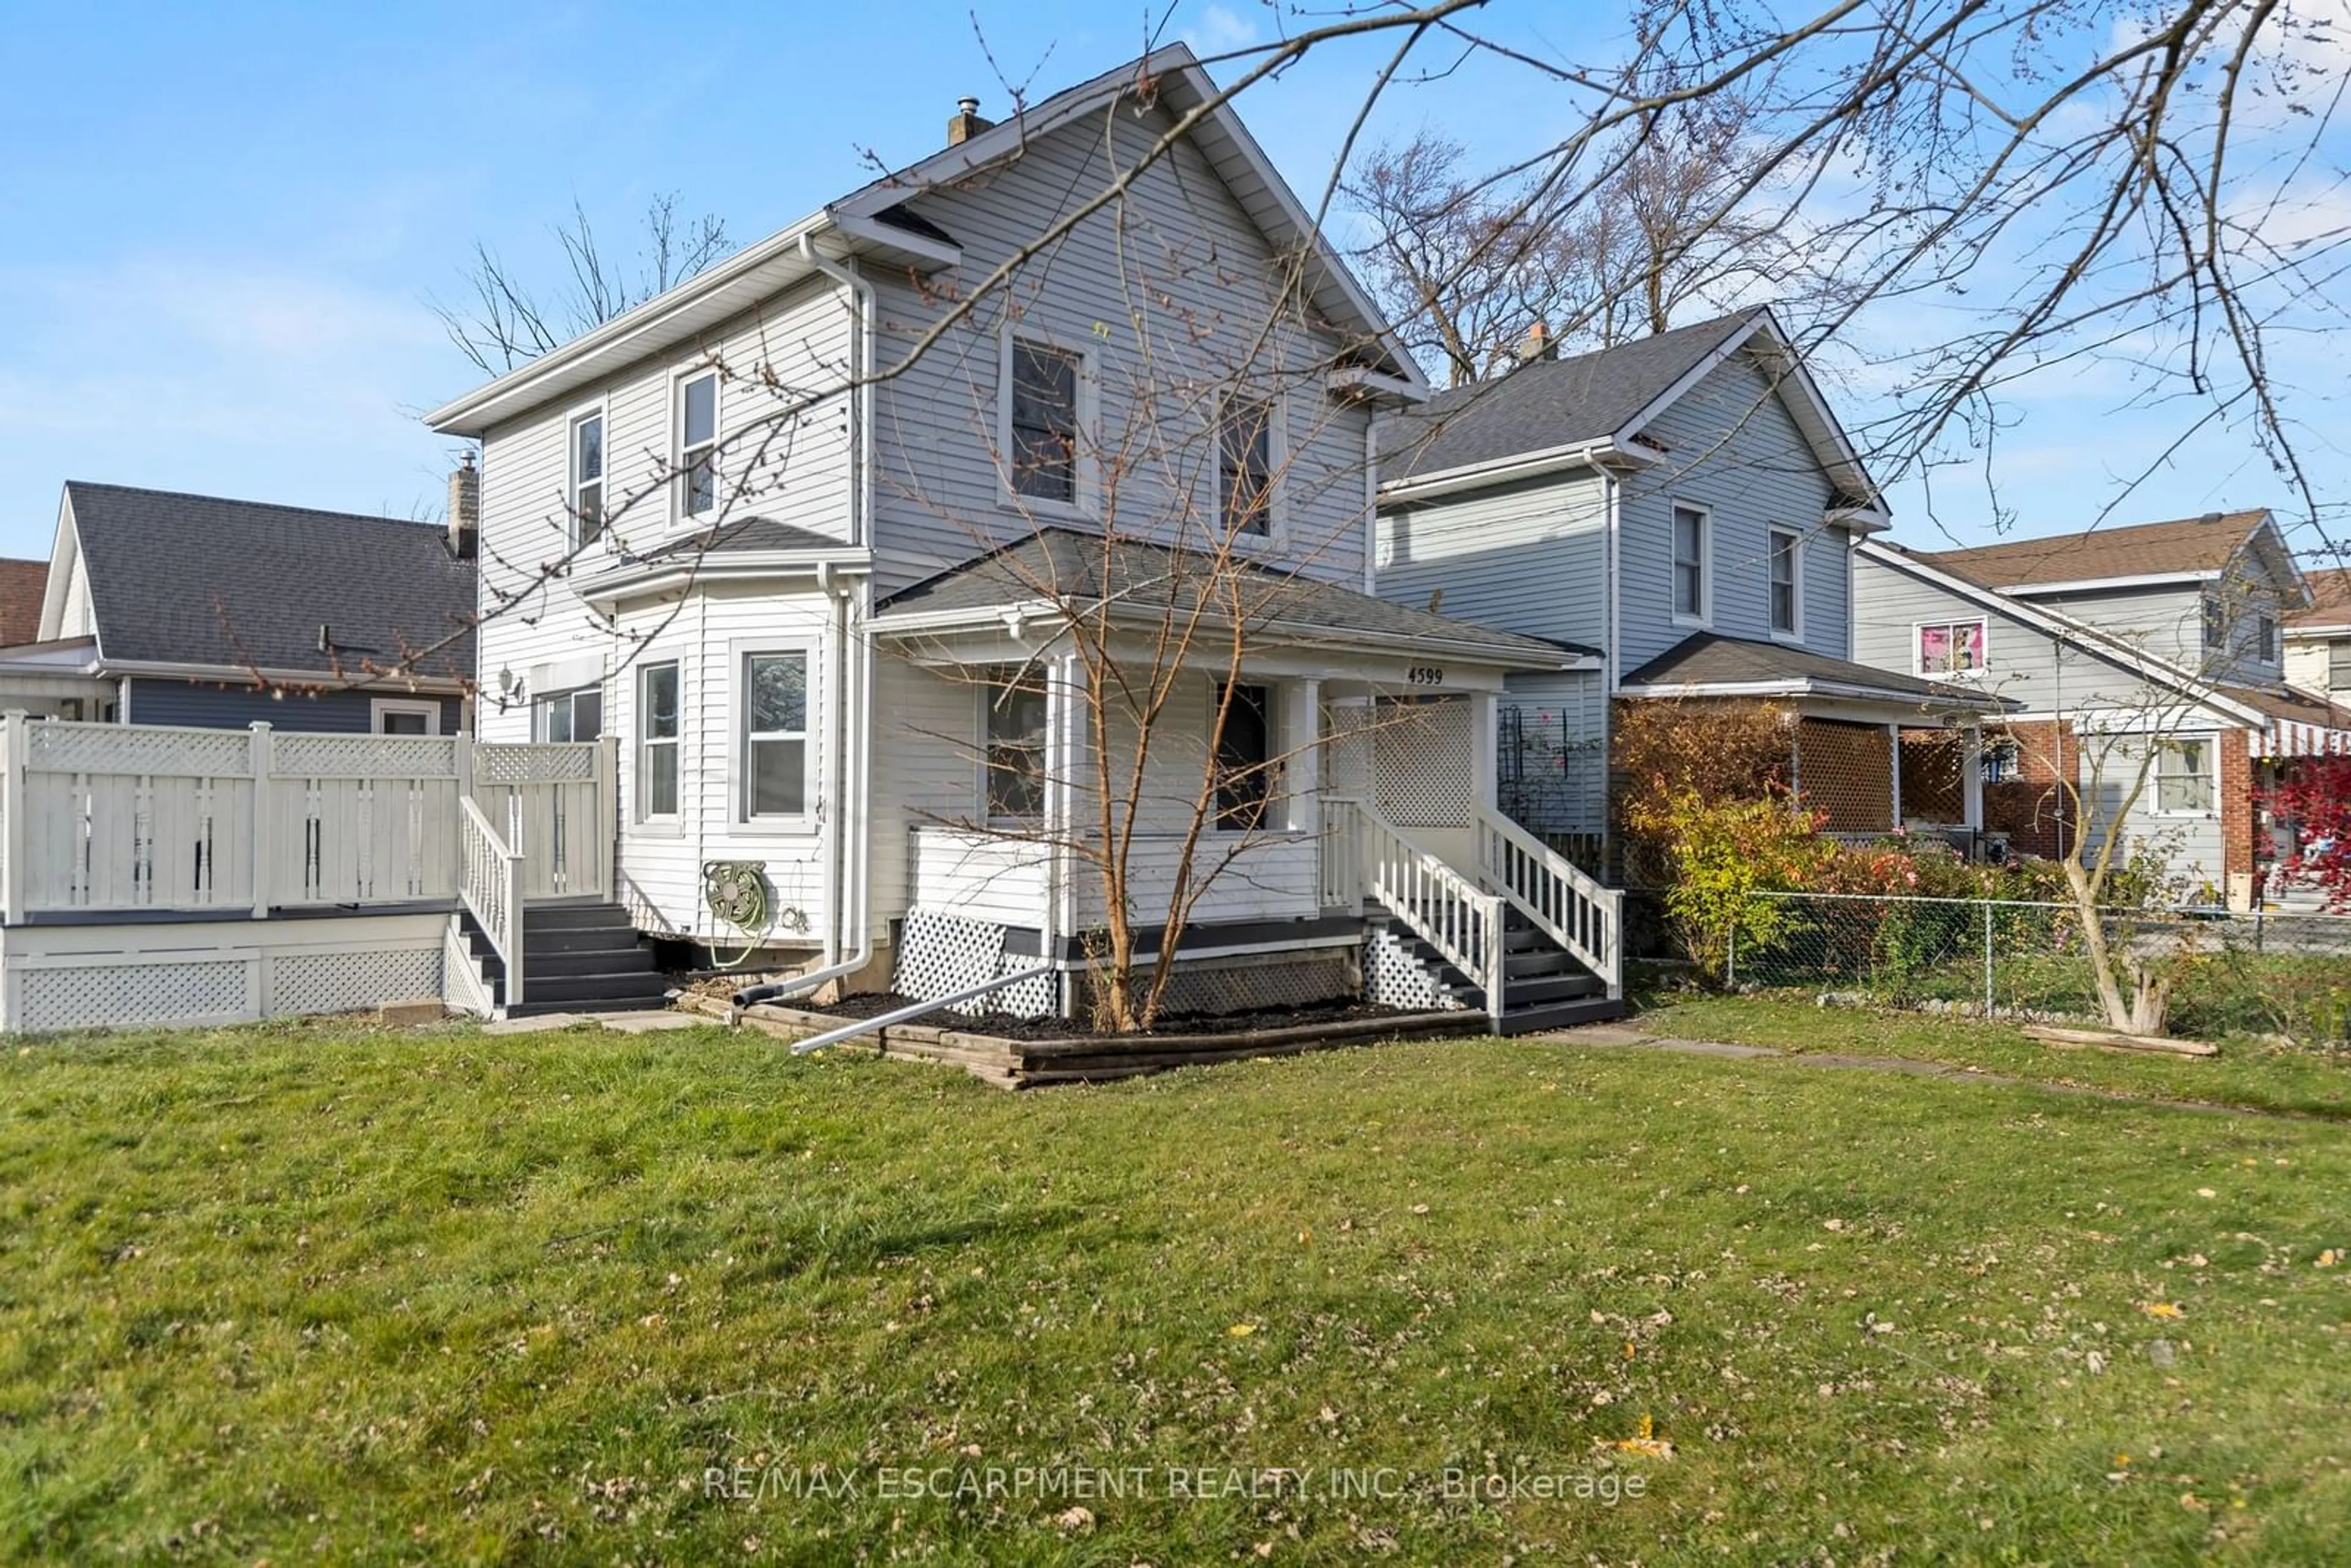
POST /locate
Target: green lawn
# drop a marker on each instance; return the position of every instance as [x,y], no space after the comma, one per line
[316,1291]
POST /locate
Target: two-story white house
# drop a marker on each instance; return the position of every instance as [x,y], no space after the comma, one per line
[2107,641]
[1682,512]
[1005,520]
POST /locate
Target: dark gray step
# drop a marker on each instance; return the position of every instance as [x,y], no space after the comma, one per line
[640,989]
[1548,961]
[590,940]
[1517,994]
[574,917]
[1563,1015]
[592,1005]
[635,958]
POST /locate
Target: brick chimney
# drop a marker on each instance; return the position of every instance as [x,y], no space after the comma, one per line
[465,510]
[965,122]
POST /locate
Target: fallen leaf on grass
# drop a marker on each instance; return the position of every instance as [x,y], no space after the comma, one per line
[1647,1442]
[1241,1330]
[2162,1309]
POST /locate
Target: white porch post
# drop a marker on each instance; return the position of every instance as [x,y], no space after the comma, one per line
[11,816]
[1483,770]
[1971,777]
[1064,718]
[264,815]
[1302,743]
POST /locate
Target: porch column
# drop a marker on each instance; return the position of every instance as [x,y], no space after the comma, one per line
[1302,743]
[1482,768]
[1064,727]
[1971,778]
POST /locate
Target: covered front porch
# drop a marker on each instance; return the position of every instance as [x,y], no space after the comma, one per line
[1262,802]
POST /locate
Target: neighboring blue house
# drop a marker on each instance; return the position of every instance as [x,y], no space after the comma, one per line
[1682,512]
[166,609]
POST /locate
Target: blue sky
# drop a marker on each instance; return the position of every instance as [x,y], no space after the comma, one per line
[222,225]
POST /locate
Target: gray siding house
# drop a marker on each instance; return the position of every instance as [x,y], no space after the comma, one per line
[1680,514]
[2103,644]
[177,610]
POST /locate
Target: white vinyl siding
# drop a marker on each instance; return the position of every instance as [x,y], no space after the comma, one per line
[1527,557]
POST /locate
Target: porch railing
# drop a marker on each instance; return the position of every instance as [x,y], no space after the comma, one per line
[492,888]
[1448,911]
[1563,901]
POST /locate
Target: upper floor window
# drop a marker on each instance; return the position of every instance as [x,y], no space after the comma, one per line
[1951,648]
[587,478]
[697,445]
[1041,420]
[568,715]
[1013,725]
[657,737]
[1245,465]
[2339,664]
[2216,623]
[1691,588]
[2265,639]
[1244,757]
[775,734]
[2183,775]
[1786,554]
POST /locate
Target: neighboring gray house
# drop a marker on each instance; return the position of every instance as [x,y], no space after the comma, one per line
[835,626]
[2103,640]
[1679,514]
[166,609]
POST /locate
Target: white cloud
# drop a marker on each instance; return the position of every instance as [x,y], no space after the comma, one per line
[1219,29]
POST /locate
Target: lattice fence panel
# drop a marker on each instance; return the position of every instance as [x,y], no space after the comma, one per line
[1423,762]
[1394,977]
[1934,775]
[360,978]
[548,763]
[1033,998]
[363,756]
[1846,770]
[1275,980]
[939,955]
[1347,749]
[130,994]
[53,747]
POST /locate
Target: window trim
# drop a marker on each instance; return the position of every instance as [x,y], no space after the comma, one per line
[379,706]
[1084,502]
[678,381]
[597,409]
[544,701]
[740,653]
[2210,774]
[1918,654]
[1001,677]
[2266,649]
[1772,534]
[2339,647]
[1277,460]
[1704,618]
[641,766]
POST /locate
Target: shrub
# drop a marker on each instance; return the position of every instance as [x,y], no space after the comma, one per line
[1718,855]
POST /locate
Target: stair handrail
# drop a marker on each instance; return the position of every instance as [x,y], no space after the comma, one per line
[492,889]
[1566,903]
[1446,909]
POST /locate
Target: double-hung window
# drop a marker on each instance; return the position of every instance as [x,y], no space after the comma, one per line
[2216,624]
[1041,420]
[697,445]
[775,734]
[1244,757]
[1013,728]
[1691,586]
[657,738]
[1951,648]
[1245,459]
[2339,664]
[1785,554]
[568,715]
[587,479]
[2184,783]
[2265,639]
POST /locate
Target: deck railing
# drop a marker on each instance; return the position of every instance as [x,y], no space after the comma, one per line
[492,888]
[1563,901]
[1446,909]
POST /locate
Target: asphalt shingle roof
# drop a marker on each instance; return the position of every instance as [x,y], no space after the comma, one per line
[1709,659]
[1077,569]
[742,536]
[2330,598]
[199,580]
[2142,550]
[1548,403]
[22,583]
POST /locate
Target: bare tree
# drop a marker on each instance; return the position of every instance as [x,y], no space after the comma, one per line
[507,319]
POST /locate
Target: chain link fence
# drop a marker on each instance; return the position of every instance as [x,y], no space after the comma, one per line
[2230,974]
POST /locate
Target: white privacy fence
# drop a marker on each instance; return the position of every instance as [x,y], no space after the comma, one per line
[101,817]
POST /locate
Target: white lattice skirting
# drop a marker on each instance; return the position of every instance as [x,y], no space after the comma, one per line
[190,972]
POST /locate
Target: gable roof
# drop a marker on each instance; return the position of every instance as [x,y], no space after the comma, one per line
[872,221]
[199,580]
[1076,571]
[1708,660]
[2198,546]
[1551,414]
[2330,601]
[22,585]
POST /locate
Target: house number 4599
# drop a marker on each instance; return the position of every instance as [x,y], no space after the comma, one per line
[1425,675]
